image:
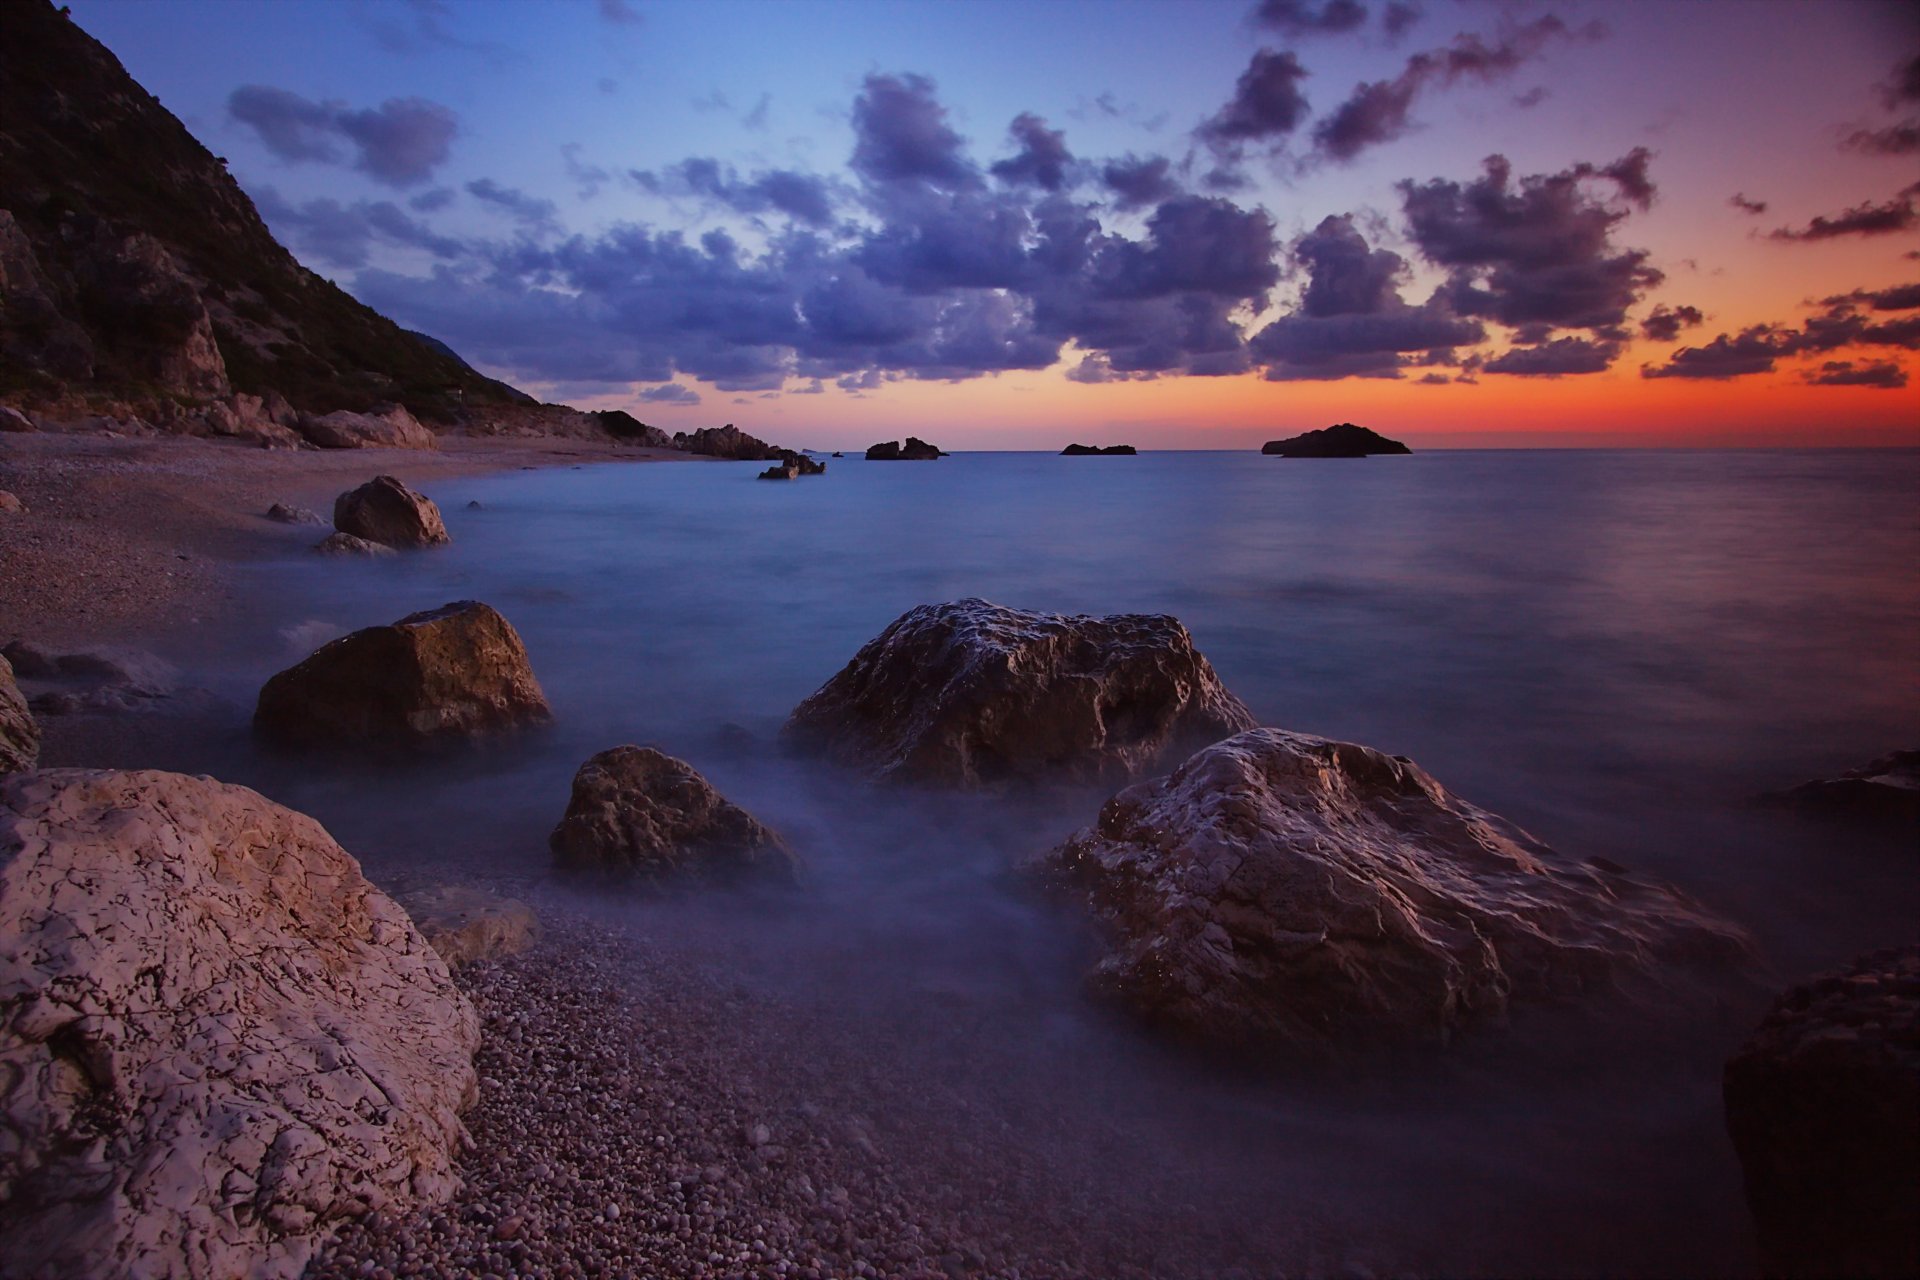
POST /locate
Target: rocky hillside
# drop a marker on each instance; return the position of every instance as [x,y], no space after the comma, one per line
[135,272]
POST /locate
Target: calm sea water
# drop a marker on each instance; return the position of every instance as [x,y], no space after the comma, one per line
[1614,649]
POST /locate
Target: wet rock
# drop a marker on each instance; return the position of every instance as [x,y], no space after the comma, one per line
[1283,888]
[286,514]
[793,466]
[220,1040]
[1887,788]
[1097,451]
[465,924]
[1341,440]
[969,693]
[1823,1106]
[447,673]
[728,442]
[385,427]
[641,813]
[11,505]
[345,544]
[914,450]
[386,511]
[19,734]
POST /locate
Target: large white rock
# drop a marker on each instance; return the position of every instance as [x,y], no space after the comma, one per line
[217,1038]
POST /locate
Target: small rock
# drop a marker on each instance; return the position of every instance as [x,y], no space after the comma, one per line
[386,511]
[345,544]
[286,514]
[11,504]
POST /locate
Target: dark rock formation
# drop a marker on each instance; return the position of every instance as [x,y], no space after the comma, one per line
[447,673]
[970,692]
[102,679]
[1885,789]
[793,466]
[19,734]
[1342,440]
[220,1043]
[729,442]
[387,426]
[385,511]
[628,429]
[640,813]
[1098,451]
[914,450]
[1279,888]
[1823,1106]
[345,544]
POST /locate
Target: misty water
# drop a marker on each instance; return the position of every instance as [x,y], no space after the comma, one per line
[1616,650]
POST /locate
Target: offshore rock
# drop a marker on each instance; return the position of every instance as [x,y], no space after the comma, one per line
[641,813]
[1279,888]
[219,1041]
[1341,440]
[970,693]
[1823,1106]
[19,734]
[914,450]
[1887,788]
[728,442]
[793,466]
[386,511]
[1098,451]
[448,673]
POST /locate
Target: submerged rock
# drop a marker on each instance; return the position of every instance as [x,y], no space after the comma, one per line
[102,678]
[1887,788]
[19,734]
[1098,451]
[465,924]
[1283,888]
[914,450]
[385,427]
[447,673]
[1823,1106]
[386,511]
[1341,440]
[969,693]
[641,813]
[220,1041]
[345,544]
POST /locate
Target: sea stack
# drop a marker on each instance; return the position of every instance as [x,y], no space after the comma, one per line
[1098,451]
[1341,440]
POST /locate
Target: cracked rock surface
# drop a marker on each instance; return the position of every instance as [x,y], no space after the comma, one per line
[1279,887]
[218,1041]
[19,734]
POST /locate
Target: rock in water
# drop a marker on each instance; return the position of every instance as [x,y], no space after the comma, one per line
[465,924]
[1823,1106]
[1341,440]
[969,693]
[345,544]
[384,510]
[639,812]
[1282,888]
[1886,789]
[220,1040]
[19,734]
[914,450]
[1098,451]
[451,672]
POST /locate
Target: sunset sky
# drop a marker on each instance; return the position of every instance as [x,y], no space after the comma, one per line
[1010,225]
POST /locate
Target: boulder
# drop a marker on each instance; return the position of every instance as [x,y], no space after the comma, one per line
[914,450]
[447,673]
[1341,440]
[1887,788]
[793,466]
[102,678]
[345,544]
[219,1041]
[970,693]
[728,442]
[384,427]
[11,505]
[12,420]
[19,734]
[386,511]
[1279,888]
[1823,1106]
[1097,451]
[286,514]
[639,813]
[465,924]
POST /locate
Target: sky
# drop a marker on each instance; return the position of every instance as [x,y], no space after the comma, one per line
[1463,223]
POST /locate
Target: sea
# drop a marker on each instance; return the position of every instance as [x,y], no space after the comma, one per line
[1617,650]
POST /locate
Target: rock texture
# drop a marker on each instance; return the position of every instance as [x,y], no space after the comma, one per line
[641,813]
[1887,788]
[465,924]
[102,678]
[19,734]
[11,505]
[387,426]
[793,466]
[1341,440]
[447,673]
[219,1040]
[969,693]
[345,544]
[386,511]
[728,442]
[285,513]
[1282,888]
[1098,451]
[914,450]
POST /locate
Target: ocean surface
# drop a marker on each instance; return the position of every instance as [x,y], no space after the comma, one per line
[1617,650]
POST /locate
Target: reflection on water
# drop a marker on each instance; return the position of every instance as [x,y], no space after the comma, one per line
[1613,649]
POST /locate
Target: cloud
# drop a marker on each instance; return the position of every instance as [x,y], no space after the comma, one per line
[619,12]
[1538,252]
[1042,159]
[800,196]
[1752,351]
[399,143]
[1664,323]
[344,235]
[1903,87]
[589,177]
[901,135]
[1884,375]
[1900,297]
[516,204]
[1398,17]
[1554,359]
[1740,202]
[1267,103]
[1296,18]
[1137,183]
[1894,140]
[669,393]
[1867,219]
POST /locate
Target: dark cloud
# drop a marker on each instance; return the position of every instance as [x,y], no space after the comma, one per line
[1903,88]
[1531,98]
[1901,297]
[344,235]
[513,202]
[1266,105]
[1894,140]
[1137,183]
[1537,252]
[1295,18]
[1557,358]
[1042,159]
[431,201]
[1844,373]
[669,393]
[798,195]
[1433,380]
[1751,351]
[399,143]
[1664,323]
[1867,219]
[901,135]
[1398,17]
[1740,202]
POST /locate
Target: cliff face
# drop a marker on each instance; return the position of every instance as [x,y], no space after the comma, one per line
[133,267]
